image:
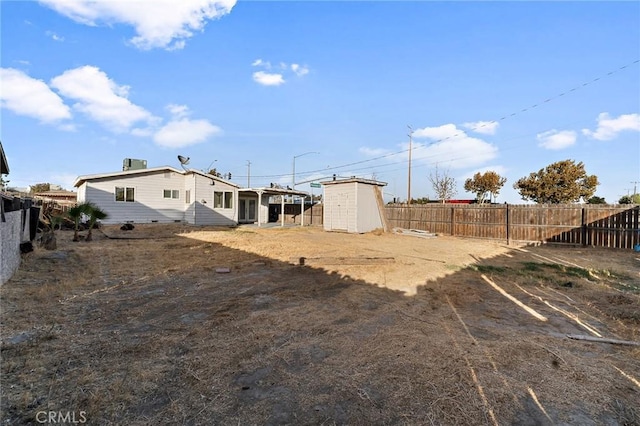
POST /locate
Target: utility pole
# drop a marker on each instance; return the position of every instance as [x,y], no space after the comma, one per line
[409,176]
[635,185]
[248,174]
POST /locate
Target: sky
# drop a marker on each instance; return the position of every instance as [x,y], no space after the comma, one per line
[256,88]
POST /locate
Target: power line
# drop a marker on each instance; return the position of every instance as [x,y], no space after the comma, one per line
[391,164]
[505,117]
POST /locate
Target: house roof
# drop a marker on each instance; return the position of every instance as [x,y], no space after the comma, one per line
[82,179]
[274,191]
[56,193]
[354,179]
[4,165]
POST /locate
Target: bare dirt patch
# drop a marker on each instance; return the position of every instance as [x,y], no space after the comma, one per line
[185,325]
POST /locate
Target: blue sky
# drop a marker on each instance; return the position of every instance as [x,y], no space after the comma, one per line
[334,84]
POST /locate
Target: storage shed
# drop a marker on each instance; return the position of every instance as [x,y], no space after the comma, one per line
[353,205]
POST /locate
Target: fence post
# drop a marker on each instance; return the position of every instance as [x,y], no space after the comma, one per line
[453,220]
[507,221]
[583,226]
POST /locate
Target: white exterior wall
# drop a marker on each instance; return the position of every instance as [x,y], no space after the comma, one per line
[351,207]
[149,203]
[10,239]
[190,207]
[82,193]
[368,213]
[340,202]
[205,213]
[263,209]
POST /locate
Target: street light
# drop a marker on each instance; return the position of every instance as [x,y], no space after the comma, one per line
[293,174]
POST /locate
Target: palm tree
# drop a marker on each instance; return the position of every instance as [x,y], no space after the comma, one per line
[75,213]
[48,237]
[95,214]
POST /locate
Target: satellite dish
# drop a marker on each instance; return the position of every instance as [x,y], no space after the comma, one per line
[183,161]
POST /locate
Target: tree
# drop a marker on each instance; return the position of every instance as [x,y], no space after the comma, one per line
[443,184]
[75,213]
[630,199]
[423,200]
[48,237]
[95,214]
[39,187]
[485,184]
[561,182]
[596,200]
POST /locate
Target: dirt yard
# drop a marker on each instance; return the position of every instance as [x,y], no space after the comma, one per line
[205,326]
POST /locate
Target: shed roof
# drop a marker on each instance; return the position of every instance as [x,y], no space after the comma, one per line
[354,180]
[82,179]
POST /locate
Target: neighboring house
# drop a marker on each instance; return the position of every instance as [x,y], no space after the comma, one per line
[353,205]
[163,195]
[60,197]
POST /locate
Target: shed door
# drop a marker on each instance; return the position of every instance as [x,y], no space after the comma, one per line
[339,211]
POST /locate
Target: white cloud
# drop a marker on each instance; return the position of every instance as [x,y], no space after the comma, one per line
[178,111]
[182,131]
[31,97]
[373,152]
[556,139]
[100,98]
[158,23]
[501,170]
[608,128]
[484,127]
[268,79]
[276,79]
[65,180]
[451,146]
[299,69]
[142,132]
[54,36]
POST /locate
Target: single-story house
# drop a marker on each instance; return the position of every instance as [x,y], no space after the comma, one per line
[167,195]
[161,194]
[57,196]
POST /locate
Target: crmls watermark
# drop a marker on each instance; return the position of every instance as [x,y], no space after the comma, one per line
[61,417]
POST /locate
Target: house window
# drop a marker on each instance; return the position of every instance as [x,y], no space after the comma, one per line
[125,194]
[222,200]
[187,196]
[171,193]
[228,200]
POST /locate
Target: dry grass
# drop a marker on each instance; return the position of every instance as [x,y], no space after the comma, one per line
[145,331]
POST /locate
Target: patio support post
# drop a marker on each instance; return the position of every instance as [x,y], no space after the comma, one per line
[259,206]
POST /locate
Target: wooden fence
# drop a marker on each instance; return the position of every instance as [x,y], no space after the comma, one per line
[588,225]
[312,214]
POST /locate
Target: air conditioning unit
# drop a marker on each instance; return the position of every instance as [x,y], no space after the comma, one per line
[133,164]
